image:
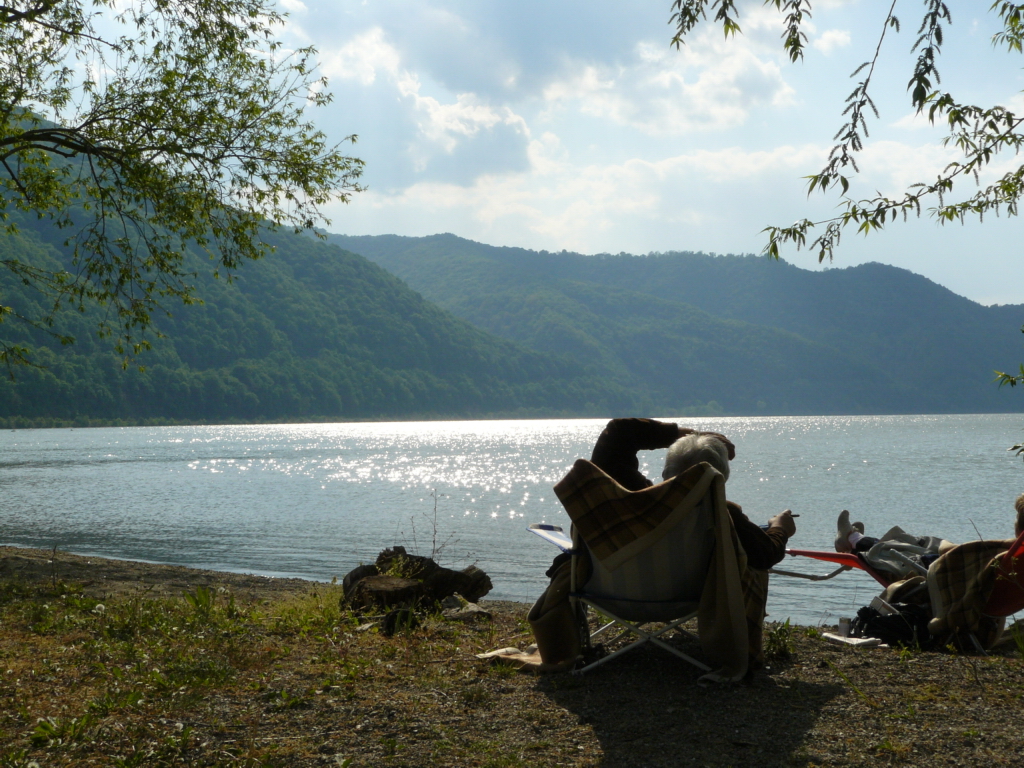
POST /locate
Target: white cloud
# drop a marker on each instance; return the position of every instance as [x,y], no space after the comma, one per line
[706,86]
[831,39]
[914,121]
[892,166]
[443,125]
[576,125]
[685,200]
[362,59]
[293,6]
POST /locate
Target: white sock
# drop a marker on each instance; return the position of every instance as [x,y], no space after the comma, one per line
[854,537]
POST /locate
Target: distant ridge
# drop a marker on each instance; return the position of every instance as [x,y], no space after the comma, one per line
[745,333]
[311,332]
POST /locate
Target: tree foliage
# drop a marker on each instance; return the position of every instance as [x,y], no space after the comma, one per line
[142,128]
[314,333]
[979,133]
[684,329]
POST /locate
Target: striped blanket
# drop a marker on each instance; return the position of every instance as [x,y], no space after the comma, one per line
[616,522]
[961,582]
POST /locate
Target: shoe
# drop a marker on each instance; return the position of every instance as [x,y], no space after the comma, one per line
[844,529]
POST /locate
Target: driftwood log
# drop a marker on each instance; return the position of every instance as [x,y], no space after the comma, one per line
[401,579]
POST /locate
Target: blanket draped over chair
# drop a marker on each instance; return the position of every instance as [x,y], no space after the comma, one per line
[961,583]
[619,525]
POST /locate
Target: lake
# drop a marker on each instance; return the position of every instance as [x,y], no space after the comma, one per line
[315,500]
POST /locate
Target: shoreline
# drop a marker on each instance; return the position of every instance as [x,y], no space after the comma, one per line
[26,423]
[103,576]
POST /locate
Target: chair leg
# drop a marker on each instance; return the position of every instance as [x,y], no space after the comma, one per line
[977,644]
[645,636]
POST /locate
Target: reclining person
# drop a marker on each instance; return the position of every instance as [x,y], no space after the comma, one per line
[896,552]
[616,454]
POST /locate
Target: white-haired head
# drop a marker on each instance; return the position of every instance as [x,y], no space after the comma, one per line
[693,449]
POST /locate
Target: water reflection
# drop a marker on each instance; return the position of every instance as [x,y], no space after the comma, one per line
[315,500]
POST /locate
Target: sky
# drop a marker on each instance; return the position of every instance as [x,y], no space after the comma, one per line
[574,124]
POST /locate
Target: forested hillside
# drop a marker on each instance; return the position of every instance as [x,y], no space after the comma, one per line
[318,332]
[311,332]
[753,335]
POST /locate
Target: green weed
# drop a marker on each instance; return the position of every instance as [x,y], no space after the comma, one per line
[283,700]
[475,695]
[1018,639]
[402,567]
[317,614]
[14,758]
[137,758]
[778,641]
[842,676]
[502,670]
[905,653]
[53,732]
[895,748]
[116,700]
[201,601]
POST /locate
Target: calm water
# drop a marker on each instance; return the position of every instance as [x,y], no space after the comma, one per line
[316,500]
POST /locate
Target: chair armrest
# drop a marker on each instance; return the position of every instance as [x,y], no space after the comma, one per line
[552,534]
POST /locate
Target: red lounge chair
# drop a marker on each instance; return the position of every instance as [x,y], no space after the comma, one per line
[847,561]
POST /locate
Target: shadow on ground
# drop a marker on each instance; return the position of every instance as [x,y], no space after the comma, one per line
[647,709]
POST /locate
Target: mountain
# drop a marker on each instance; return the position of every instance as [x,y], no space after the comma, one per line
[310,332]
[748,334]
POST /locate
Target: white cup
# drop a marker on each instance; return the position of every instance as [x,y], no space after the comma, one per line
[844,627]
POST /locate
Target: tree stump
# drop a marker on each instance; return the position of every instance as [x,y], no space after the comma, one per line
[390,582]
[385,592]
[357,574]
[471,583]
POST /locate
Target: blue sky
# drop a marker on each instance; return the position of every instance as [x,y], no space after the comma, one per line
[575,125]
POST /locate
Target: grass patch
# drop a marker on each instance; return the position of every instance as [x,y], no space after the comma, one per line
[223,678]
[778,641]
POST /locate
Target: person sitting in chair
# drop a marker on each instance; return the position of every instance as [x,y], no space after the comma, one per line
[615,453]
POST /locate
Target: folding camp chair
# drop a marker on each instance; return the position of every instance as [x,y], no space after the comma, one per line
[976,581]
[663,555]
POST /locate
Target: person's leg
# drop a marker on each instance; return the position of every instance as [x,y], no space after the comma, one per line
[862,543]
[849,534]
[755,600]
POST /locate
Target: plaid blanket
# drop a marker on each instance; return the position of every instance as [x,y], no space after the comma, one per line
[962,580]
[614,521]
[618,524]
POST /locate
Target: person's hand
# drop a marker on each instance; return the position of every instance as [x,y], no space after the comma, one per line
[728,443]
[784,521]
